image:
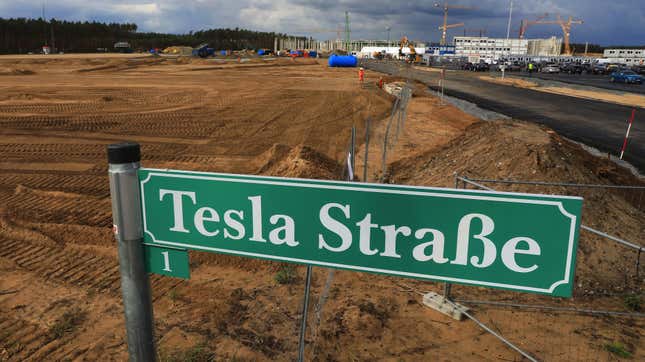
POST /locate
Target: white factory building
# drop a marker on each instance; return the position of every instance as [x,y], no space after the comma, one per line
[492,49]
[368,51]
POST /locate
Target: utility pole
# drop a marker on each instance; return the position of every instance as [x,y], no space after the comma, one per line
[44,26]
[510,17]
[347,32]
[388,29]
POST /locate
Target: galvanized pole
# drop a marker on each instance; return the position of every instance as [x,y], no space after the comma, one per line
[123,159]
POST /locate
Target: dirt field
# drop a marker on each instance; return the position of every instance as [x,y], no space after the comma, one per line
[59,284]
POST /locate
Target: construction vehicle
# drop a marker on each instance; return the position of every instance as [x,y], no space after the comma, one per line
[412,57]
[203,51]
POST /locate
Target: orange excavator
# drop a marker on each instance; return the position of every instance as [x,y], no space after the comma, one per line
[412,57]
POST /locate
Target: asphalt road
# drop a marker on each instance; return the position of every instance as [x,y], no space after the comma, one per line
[598,124]
[598,81]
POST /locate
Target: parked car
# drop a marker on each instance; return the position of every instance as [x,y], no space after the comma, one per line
[468,66]
[550,68]
[626,76]
[482,67]
[572,68]
[515,67]
[640,69]
[510,67]
[599,69]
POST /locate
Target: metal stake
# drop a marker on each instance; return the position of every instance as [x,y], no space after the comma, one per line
[303,323]
[367,147]
[352,150]
[123,169]
[447,287]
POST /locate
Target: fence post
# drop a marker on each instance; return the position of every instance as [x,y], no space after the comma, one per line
[447,287]
[123,159]
[367,147]
[303,323]
[638,261]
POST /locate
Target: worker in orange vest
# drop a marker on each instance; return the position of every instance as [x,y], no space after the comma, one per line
[361,75]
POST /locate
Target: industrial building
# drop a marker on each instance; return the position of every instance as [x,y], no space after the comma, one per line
[624,53]
[492,49]
[356,46]
[624,56]
[392,51]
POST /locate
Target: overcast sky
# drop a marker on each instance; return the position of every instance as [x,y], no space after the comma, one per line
[605,22]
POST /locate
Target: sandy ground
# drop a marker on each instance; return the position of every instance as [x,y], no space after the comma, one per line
[59,290]
[627,99]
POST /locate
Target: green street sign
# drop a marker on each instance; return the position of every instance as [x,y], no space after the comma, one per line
[167,261]
[520,242]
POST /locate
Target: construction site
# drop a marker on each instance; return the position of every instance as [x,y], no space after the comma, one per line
[310,110]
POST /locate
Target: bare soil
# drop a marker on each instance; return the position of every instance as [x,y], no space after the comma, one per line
[59,279]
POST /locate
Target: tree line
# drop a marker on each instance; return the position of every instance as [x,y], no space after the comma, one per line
[21,35]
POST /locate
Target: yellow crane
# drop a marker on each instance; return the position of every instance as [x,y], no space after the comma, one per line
[526,23]
[565,25]
[444,28]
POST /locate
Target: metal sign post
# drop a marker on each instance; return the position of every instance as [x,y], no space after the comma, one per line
[123,172]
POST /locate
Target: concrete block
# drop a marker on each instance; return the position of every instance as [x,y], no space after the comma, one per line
[439,303]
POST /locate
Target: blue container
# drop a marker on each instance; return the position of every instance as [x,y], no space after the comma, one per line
[222,52]
[343,61]
[293,52]
[261,52]
[313,54]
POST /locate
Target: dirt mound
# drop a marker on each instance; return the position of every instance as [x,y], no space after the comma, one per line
[299,162]
[511,150]
[16,71]
[521,151]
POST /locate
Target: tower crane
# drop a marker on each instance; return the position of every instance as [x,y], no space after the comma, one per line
[444,28]
[566,29]
[526,23]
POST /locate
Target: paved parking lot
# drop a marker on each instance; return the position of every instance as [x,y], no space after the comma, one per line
[595,123]
[599,81]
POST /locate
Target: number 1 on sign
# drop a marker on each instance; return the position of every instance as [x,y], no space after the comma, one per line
[166,261]
[158,260]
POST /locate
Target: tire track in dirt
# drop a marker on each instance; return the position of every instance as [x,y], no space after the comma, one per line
[80,269]
[20,339]
[55,152]
[58,208]
[83,184]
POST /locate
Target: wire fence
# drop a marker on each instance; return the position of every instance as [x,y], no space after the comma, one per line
[603,320]
[397,118]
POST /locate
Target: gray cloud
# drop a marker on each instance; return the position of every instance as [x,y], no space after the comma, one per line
[617,22]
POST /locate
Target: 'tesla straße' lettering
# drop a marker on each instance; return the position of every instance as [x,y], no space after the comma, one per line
[430,247]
